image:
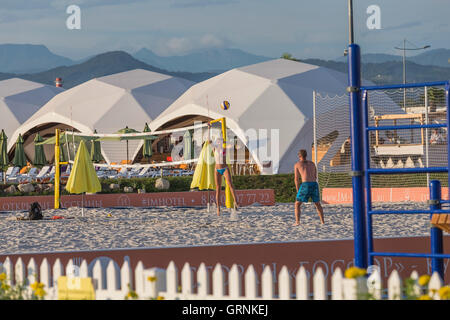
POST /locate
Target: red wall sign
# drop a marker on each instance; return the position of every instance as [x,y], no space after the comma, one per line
[155,199]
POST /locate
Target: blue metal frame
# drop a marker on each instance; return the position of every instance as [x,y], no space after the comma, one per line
[357,146]
[435,188]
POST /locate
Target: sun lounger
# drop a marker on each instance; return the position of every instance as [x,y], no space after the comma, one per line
[28,177]
[42,174]
[12,177]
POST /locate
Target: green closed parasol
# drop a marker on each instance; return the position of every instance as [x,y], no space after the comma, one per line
[3,152]
[39,155]
[147,148]
[20,160]
[188,151]
[96,150]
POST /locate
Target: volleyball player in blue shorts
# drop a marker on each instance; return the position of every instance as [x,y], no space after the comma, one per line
[309,189]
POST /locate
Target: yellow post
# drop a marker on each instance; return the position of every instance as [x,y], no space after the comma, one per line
[57,168]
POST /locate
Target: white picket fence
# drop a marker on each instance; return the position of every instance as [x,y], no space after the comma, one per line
[110,282]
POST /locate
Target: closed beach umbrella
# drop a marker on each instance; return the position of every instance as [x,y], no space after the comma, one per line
[96,150]
[188,151]
[20,159]
[62,154]
[3,153]
[3,149]
[83,177]
[39,155]
[127,130]
[147,149]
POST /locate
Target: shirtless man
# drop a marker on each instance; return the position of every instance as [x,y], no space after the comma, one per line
[309,187]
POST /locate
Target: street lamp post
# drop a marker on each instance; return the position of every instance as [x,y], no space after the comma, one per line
[404,66]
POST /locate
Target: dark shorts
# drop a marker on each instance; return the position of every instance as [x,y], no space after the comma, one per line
[308,190]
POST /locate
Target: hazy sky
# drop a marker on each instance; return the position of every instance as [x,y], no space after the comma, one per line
[306,29]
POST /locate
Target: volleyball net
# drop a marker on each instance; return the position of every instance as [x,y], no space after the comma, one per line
[402,146]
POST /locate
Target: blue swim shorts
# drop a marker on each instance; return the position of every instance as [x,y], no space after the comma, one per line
[308,190]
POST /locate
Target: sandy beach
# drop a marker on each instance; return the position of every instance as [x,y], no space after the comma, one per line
[169,227]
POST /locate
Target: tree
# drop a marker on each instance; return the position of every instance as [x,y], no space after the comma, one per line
[289,56]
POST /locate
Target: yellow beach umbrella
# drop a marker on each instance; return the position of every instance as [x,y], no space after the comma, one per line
[203,177]
[83,177]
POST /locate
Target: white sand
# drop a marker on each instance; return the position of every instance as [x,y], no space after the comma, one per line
[167,226]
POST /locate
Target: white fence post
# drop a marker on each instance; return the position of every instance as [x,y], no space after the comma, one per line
[267,285]
[319,285]
[203,281]
[84,269]
[126,277]
[394,286]
[20,272]
[434,285]
[45,274]
[139,279]
[302,284]
[32,271]
[172,281]
[9,270]
[374,284]
[218,279]
[57,271]
[284,284]
[187,281]
[251,284]
[234,280]
[112,277]
[337,285]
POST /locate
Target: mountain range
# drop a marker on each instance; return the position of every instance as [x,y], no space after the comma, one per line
[37,63]
[435,57]
[215,60]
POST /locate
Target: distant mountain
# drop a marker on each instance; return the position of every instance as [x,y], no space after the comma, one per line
[390,72]
[435,57]
[29,58]
[99,66]
[209,60]
[374,58]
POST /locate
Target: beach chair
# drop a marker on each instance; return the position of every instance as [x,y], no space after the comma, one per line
[28,177]
[144,172]
[42,174]
[12,176]
[134,171]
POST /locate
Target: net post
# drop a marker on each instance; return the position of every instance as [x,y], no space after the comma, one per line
[57,168]
[437,245]
[367,181]
[315,127]
[356,124]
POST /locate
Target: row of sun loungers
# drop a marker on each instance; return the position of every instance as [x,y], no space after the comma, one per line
[47,173]
[140,172]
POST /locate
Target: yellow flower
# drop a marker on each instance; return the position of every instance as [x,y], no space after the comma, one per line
[424,297]
[39,292]
[355,272]
[132,294]
[2,276]
[151,279]
[423,280]
[37,285]
[5,286]
[444,293]
[159,298]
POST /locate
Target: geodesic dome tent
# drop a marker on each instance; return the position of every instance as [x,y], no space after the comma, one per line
[106,104]
[275,95]
[20,99]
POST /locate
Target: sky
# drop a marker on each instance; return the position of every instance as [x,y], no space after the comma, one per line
[306,29]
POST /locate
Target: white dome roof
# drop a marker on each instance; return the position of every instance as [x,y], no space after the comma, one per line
[20,99]
[276,94]
[108,104]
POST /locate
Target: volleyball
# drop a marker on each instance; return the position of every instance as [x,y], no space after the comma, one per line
[225,105]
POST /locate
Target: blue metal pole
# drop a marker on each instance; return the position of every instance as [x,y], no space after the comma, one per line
[447,104]
[437,245]
[356,131]
[369,235]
